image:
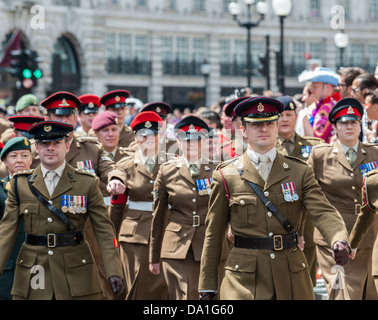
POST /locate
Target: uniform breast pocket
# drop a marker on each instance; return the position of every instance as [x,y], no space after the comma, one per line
[30,213]
[292,208]
[243,209]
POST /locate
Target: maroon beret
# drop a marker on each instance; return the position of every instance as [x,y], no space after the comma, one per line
[104,119]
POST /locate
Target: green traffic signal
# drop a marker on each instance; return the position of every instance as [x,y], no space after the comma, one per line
[37,73]
[26,73]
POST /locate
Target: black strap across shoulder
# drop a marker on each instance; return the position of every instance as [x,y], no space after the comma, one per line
[286,223]
[49,206]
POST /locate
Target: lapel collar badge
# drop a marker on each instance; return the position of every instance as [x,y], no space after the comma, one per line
[285,165]
[207,168]
[363,151]
[260,107]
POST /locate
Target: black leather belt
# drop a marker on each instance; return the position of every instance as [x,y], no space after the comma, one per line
[277,242]
[53,240]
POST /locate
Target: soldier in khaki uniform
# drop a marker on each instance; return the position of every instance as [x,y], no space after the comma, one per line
[366,219]
[116,101]
[265,262]
[181,194]
[133,219]
[55,250]
[338,169]
[90,105]
[85,153]
[292,144]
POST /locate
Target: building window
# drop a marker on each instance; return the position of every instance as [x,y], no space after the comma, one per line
[315,8]
[183,55]
[233,57]
[142,3]
[127,54]
[373,10]
[199,5]
[170,4]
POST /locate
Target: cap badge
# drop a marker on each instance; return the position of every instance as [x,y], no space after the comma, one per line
[116,120]
[260,107]
[26,142]
[158,109]
[64,103]
[47,128]
[350,110]
[90,104]
[148,124]
[291,106]
[192,128]
[117,98]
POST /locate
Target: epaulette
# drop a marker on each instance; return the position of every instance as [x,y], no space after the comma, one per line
[315,139]
[25,172]
[226,163]
[296,159]
[85,172]
[87,139]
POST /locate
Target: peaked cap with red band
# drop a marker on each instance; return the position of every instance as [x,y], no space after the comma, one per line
[229,108]
[145,121]
[90,103]
[161,108]
[23,123]
[191,127]
[61,103]
[259,109]
[115,99]
[345,110]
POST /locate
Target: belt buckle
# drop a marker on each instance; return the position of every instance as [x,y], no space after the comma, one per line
[277,242]
[196,221]
[51,240]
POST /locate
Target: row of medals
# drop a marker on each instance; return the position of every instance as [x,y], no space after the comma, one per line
[74,209]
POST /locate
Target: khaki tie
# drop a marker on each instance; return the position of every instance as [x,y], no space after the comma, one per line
[150,164]
[350,156]
[194,171]
[288,146]
[50,175]
[263,168]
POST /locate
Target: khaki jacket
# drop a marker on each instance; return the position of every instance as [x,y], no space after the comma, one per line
[248,216]
[69,271]
[177,204]
[342,184]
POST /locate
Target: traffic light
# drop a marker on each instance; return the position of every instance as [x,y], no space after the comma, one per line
[264,64]
[25,67]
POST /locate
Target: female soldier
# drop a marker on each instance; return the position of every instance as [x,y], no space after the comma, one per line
[339,169]
[181,195]
[134,220]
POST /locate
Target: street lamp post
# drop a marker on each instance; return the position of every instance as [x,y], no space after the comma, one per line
[282,9]
[262,9]
[205,70]
[341,40]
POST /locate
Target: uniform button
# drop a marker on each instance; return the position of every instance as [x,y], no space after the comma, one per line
[26,211]
[352,175]
[194,189]
[237,267]
[353,188]
[266,193]
[84,261]
[242,201]
[270,234]
[355,200]
[50,252]
[272,255]
[49,219]
[194,200]
[194,212]
[303,265]
[21,261]
[152,181]
[269,214]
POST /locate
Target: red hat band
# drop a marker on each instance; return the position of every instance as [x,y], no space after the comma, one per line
[115,100]
[64,103]
[191,128]
[350,111]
